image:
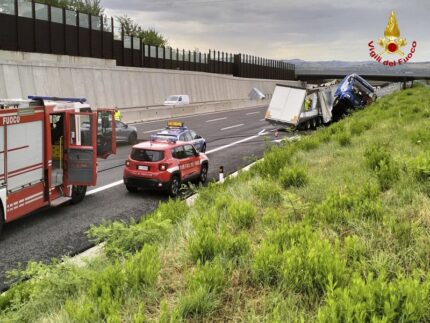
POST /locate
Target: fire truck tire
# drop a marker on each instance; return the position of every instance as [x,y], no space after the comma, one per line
[78,194]
[175,184]
[132,139]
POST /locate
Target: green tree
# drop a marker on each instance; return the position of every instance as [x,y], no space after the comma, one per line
[92,7]
[149,36]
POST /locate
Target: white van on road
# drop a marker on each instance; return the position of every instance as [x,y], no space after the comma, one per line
[178,99]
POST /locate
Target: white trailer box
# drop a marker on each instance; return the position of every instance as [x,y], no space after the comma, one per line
[288,108]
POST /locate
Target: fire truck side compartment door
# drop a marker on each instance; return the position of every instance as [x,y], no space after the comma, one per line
[80,147]
[106,133]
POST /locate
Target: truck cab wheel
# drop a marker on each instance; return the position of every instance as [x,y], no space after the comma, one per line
[314,123]
[78,193]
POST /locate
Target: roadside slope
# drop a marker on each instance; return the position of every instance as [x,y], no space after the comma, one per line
[334,227]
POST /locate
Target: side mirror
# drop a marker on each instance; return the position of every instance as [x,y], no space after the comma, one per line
[125,126]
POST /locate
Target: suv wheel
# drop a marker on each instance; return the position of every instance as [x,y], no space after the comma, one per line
[174,186]
[204,173]
[78,193]
[131,189]
[203,148]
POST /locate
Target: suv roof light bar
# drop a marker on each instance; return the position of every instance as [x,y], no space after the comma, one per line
[168,140]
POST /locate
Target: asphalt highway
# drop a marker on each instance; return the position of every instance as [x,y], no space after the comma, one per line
[234,139]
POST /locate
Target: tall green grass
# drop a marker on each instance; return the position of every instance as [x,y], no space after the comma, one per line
[332,228]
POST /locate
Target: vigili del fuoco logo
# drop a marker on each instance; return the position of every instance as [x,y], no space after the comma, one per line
[392,45]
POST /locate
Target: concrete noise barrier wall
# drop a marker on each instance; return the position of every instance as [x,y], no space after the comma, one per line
[106,85]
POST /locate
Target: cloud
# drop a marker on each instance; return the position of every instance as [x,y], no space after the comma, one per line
[307,29]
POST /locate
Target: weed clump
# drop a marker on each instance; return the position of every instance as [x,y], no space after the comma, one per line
[375,155]
[293,176]
[204,287]
[267,265]
[122,237]
[274,160]
[104,296]
[380,161]
[297,259]
[203,246]
[420,167]
[421,136]
[242,213]
[341,207]
[308,143]
[371,299]
[268,193]
[343,138]
[358,127]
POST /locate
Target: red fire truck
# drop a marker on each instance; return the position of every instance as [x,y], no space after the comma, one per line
[48,152]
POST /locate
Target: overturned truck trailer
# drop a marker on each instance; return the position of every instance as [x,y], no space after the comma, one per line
[300,108]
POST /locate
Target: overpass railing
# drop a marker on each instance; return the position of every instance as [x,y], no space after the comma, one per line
[29,26]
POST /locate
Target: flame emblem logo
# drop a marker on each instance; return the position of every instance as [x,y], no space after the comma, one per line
[392,42]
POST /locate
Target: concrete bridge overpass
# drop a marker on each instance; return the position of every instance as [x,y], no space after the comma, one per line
[390,75]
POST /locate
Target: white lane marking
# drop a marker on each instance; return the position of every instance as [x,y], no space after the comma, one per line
[232,144]
[149,131]
[262,120]
[217,119]
[249,113]
[262,132]
[235,126]
[102,188]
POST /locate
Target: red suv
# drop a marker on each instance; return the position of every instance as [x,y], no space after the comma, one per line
[164,165]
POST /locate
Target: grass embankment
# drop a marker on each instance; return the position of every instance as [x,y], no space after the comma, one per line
[335,227]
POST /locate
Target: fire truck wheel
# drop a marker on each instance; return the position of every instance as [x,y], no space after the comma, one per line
[132,139]
[174,186]
[78,193]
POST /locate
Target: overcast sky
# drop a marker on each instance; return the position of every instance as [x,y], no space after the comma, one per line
[281,29]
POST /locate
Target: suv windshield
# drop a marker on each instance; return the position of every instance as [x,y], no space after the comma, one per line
[147,155]
[172,98]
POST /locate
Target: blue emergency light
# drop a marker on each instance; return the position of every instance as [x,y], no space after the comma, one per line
[171,140]
[53,98]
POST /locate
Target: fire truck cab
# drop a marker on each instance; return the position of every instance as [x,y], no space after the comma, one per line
[48,152]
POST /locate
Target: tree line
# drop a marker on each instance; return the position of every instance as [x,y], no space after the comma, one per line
[93,7]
